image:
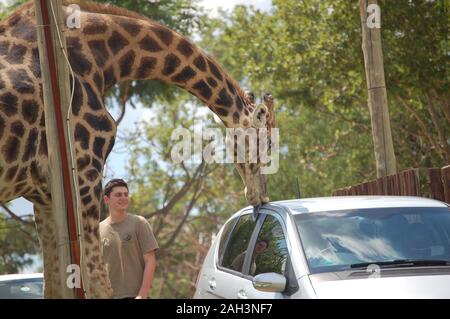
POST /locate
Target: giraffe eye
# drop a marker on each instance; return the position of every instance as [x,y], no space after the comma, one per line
[259,118]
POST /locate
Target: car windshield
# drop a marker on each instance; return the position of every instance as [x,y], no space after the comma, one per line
[334,241]
[22,289]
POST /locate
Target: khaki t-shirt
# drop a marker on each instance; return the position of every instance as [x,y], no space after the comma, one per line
[124,245]
[238,263]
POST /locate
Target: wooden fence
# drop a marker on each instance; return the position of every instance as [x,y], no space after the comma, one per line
[424,182]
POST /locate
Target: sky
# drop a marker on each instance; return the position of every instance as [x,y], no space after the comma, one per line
[117,160]
[213,5]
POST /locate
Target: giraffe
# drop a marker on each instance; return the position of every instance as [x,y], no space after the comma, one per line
[112,45]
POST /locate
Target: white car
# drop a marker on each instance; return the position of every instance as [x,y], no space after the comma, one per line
[22,286]
[333,247]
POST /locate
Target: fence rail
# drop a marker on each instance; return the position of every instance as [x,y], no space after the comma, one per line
[424,182]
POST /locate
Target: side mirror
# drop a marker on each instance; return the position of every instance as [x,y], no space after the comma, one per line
[270,282]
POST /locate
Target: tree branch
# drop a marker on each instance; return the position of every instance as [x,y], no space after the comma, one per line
[434,118]
[15,217]
[185,169]
[324,110]
[167,189]
[422,126]
[23,222]
[445,105]
[164,210]
[188,210]
[123,101]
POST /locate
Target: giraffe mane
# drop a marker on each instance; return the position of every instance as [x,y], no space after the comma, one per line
[95,7]
[90,6]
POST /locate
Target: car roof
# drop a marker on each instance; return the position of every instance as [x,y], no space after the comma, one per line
[337,203]
[21,276]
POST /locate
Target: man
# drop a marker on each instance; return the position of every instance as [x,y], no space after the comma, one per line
[238,262]
[128,245]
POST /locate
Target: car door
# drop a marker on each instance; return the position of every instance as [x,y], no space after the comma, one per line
[270,254]
[232,253]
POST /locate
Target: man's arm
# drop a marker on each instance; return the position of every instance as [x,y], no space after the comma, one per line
[149,271]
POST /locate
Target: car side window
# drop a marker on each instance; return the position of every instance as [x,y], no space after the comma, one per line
[224,237]
[236,249]
[270,252]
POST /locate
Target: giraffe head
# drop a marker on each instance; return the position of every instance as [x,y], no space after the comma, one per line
[262,119]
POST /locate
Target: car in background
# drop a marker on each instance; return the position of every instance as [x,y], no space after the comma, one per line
[332,247]
[22,286]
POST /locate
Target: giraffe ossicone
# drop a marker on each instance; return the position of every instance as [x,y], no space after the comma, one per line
[112,45]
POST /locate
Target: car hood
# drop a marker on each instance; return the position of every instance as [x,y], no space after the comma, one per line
[421,286]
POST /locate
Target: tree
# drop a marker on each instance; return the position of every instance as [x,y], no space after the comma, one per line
[185,203]
[308,53]
[18,240]
[292,52]
[415,34]
[10,6]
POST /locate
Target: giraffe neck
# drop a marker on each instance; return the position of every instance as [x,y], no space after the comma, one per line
[124,48]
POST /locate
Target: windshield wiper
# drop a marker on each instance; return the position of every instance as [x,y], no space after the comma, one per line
[403,263]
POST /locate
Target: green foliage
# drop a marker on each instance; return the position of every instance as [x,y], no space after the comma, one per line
[10,6]
[415,43]
[273,258]
[308,55]
[18,242]
[296,53]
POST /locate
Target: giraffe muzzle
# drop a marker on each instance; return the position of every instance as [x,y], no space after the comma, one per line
[256,189]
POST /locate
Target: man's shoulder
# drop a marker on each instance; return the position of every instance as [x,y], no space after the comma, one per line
[105,222]
[138,218]
[104,226]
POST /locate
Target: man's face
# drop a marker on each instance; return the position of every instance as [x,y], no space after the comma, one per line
[118,199]
[260,247]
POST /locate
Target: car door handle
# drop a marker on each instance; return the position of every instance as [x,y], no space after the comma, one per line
[212,283]
[242,294]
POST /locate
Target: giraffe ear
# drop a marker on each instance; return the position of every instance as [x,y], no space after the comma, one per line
[260,116]
[268,99]
[250,97]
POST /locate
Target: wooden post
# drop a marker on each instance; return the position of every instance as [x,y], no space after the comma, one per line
[436,184]
[378,106]
[445,173]
[56,91]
